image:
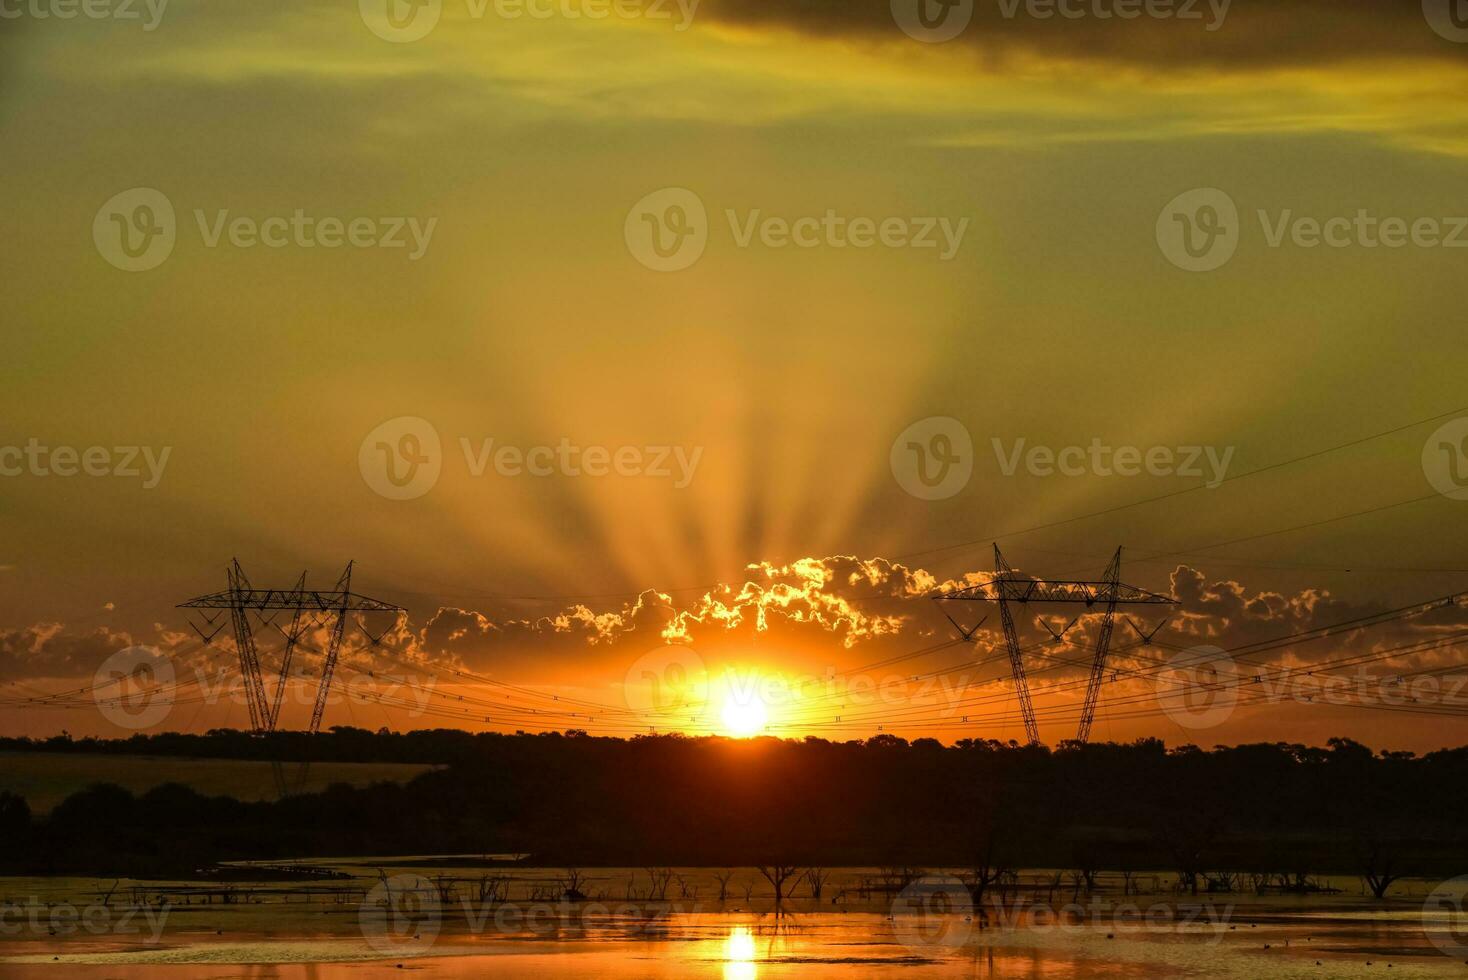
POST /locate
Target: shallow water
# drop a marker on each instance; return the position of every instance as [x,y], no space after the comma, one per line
[743,946]
[292,932]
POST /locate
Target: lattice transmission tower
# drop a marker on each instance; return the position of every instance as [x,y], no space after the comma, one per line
[1009,588]
[307,609]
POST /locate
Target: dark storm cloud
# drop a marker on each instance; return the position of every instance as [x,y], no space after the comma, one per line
[1241,35]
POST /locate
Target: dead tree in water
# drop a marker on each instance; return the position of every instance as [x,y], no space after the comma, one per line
[817,878]
[985,874]
[1376,863]
[1187,841]
[660,879]
[993,831]
[571,883]
[895,877]
[493,889]
[1084,857]
[1187,820]
[777,875]
[722,877]
[1223,881]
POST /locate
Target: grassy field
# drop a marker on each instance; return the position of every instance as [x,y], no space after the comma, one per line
[46,778]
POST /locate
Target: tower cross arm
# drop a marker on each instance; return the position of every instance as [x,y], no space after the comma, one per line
[1056,590]
[265,599]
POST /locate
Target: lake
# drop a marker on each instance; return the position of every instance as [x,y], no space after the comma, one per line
[356,919]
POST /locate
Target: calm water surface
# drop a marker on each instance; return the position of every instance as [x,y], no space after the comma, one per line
[297,936]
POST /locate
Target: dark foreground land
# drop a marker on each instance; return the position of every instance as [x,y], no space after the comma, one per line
[1283,811]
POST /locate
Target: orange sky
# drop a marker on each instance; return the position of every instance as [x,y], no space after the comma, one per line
[756,513]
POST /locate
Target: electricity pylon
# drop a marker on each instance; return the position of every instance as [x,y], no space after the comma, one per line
[321,607]
[1008,587]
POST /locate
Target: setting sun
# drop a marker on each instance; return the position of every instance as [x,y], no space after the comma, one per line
[744,716]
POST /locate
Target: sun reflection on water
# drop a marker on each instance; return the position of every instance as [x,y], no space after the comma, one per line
[739,955]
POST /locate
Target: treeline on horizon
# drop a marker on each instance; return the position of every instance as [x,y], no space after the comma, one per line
[446,746]
[571,799]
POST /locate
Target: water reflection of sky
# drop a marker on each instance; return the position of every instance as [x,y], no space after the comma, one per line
[744,946]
